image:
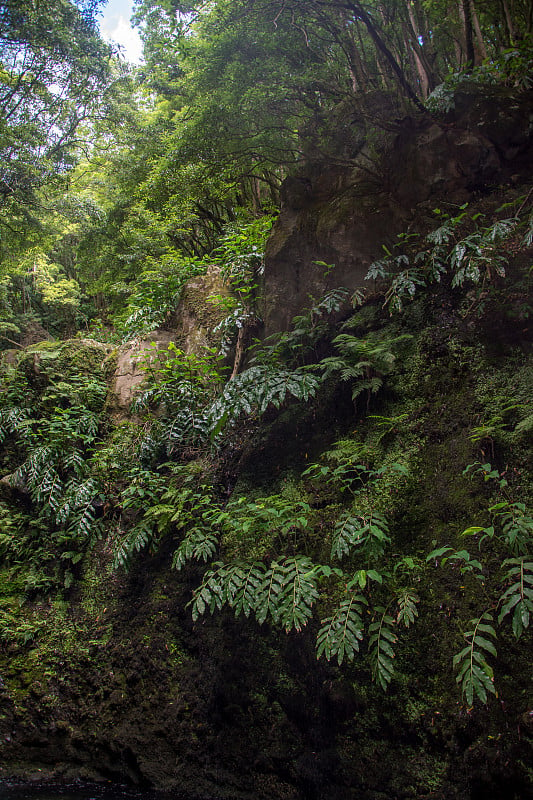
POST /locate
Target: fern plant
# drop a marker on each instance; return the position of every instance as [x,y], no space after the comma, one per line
[78,509]
[518,597]
[293,347]
[511,532]
[257,388]
[347,467]
[382,638]
[283,592]
[475,676]
[142,535]
[407,608]
[368,533]
[14,420]
[340,634]
[512,524]
[199,544]
[473,259]
[362,362]
[252,527]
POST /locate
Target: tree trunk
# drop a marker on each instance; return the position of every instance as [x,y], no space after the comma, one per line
[509,22]
[240,349]
[382,48]
[465,11]
[479,36]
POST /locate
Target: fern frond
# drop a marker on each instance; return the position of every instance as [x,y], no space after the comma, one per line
[199,544]
[528,236]
[74,462]
[341,633]
[141,536]
[501,229]
[474,675]
[369,533]
[372,385]
[189,426]
[259,387]
[299,593]
[244,588]
[407,610]
[381,643]
[13,420]
[47,490]
[212,592]
[78,507]
[518,597]
[441,235]
[270,593]
[524,426]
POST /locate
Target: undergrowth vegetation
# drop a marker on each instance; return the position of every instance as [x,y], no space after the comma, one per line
[329,548]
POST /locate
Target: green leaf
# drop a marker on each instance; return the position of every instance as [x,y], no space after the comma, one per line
[474,674]
[340,634]
[381,640]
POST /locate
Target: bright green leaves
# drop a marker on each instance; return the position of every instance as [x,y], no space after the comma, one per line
[295,608]
[155,292]
[136,539]
[51,464]
[518,597]
[362,362]
[369,533]
[194,415]
[516,525]
[294,346]
[251,529]
[476,256]
[142,500]
[461,558]
[474,674]
[473,259]
[56,68]
[340,634]
[78,508]
[270,592]
[254,390]
[512,524]
[283,592]
[187,507]
[248,583]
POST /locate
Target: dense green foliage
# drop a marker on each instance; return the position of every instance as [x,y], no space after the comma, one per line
[116,185]
[359,482]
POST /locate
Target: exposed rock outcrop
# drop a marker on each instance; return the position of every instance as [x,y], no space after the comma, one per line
[190,328]
[129,371]
[342,215]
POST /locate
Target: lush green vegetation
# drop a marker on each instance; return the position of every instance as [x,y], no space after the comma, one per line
[362,478]
[114,183]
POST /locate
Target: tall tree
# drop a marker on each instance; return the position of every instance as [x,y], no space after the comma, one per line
[54,68]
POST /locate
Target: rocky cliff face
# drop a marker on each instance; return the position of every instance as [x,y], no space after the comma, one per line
[343,215]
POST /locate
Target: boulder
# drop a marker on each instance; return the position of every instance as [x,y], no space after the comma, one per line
[190,328]
[129,371]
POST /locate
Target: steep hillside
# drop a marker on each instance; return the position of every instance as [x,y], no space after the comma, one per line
[313,580]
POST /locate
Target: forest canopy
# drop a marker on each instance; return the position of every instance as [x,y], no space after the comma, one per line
[106,169]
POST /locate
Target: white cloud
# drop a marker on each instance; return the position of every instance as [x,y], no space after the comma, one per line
[115,26]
